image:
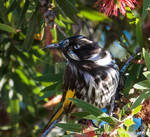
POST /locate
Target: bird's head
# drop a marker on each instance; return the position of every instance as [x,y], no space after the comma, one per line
[76,48]
[79,48]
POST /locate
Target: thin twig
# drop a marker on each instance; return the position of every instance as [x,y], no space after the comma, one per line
[125,47]
[129,60]
[120,125]
[61,31]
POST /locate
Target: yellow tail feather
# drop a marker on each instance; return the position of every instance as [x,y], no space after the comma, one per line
[55,116]
[62,109]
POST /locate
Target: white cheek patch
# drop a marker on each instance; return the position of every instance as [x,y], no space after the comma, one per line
[94,57]
[72,55]
[105,61]
[86,40]
[101,61]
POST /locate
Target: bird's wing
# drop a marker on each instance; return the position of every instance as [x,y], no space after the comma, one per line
[66,106]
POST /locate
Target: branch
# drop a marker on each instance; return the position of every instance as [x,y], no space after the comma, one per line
[120,125]
[60,30]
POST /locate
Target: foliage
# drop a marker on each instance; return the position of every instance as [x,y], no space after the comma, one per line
[30,76]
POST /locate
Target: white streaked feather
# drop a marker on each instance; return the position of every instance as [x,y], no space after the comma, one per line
[72,55]
[86,40]
[101,61]
[104,61]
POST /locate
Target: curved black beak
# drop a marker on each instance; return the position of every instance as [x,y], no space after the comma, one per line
[62,44]
[52,46]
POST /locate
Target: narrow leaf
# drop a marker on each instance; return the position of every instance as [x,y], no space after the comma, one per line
[70,11]
[146,58]
[70,127]
[13,6]
[22,14]
[139,33]
[7,28]
[146,7]
[107,119]
[93,15]
[142,85]
[47,94]
[122,133]
[128,123]
[136,110]
[49,77]
[147,74]
[87,107]
[80,114]
[142,97]
[30,32]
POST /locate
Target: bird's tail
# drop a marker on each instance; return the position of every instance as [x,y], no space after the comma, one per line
[55,116]
[66,106]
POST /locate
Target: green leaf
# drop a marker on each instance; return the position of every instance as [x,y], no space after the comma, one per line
[93,15]
[147,74]
[86,107]
[122,133]
[67,8]
[136,110]
[128,123]
[146,58]
[80,114]
[70,127]
[7,28]
[14,110]
[31,109]
[3,12]
[22,14]
[91,117]
[142,97]
[85,115]
[145,84]
[146,7]
[129,14]
[22,76]
[139,33]
[47,94]
[31,31]
[14,107]
[107,119]
[13,6]
[49,77]
[51,87]
[49,91]
[135,69]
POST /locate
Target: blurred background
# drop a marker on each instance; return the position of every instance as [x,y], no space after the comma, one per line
[31,79]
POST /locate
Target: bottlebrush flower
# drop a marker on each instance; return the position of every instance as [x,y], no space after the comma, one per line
[110,7]
[87,132]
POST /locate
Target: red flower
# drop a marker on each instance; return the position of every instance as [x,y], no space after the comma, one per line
[87,132]
[110,7]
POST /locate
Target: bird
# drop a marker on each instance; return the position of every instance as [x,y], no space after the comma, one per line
[91,74]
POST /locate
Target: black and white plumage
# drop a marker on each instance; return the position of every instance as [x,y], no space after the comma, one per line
[91,71]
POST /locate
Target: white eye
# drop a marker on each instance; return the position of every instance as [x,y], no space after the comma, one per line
[76,46]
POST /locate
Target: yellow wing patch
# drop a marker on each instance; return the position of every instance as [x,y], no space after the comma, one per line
[66,104]
[69,94]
